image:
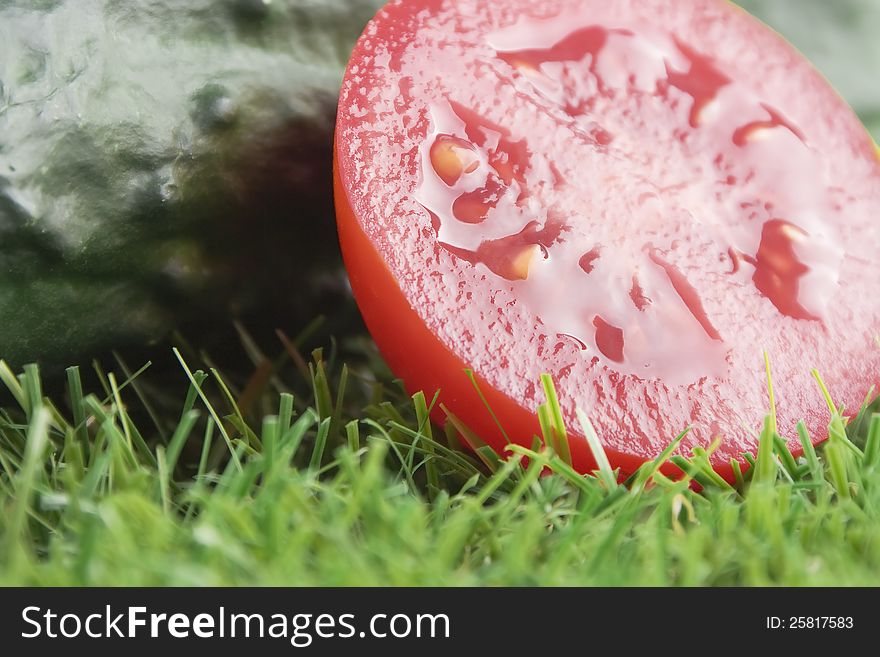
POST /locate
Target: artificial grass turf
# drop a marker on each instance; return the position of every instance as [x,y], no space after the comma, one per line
[346,482]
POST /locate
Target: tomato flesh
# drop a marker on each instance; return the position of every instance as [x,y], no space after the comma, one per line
[639,198]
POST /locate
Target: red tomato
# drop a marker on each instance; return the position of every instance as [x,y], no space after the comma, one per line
[637,197]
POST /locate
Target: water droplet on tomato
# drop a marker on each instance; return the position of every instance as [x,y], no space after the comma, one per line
[609,339]
[762,129]
[452,158]
[778,271]
[702,81]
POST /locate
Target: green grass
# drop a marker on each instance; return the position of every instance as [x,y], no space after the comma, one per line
[311,473]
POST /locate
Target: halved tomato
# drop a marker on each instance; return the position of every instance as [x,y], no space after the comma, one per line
[637,197]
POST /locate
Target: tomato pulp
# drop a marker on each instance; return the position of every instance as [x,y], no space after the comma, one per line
[639,198]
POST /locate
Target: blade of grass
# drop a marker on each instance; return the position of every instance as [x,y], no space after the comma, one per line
[74,385]
[480,448]
[178,439]
[33,389]
[424,422]
[144,399]
[285,412]
[26,483]
[244,428]
[560,435]
[605,473]
[473,379]
[872,443]
[646,473]
[320,444]
[771,393]
[7,376]
[765,466]
[353,436]
[217,421]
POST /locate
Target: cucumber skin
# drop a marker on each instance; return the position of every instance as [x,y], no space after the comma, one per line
[163,161]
